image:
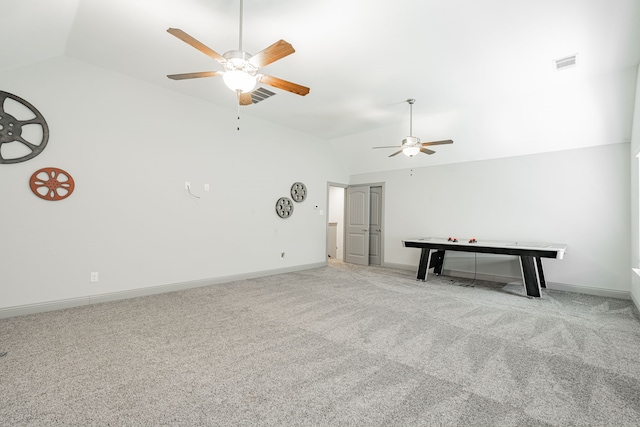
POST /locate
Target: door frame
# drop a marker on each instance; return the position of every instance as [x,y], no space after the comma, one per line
[382,225]
[328,205]
[344,214]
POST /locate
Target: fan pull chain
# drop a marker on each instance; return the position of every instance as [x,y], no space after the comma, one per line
[238,92]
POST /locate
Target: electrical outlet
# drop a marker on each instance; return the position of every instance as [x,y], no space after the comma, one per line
[94,276]
[206,187]
[187,185]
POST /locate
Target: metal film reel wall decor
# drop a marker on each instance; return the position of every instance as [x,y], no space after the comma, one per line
[15,134]
[284,207]
[51,184]
[298,192]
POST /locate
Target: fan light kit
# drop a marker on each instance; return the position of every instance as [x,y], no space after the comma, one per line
[241,68]
[411,144]
[239,74]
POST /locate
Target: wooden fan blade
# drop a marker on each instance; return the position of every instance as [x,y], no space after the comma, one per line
[446,141]
[389,146]
[284,85]
[396,153]
[194,75]
[245,98]
[195,43]
[276,51]
[426,151]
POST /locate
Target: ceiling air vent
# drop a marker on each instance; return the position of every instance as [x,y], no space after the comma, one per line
[566,62]
[261,94]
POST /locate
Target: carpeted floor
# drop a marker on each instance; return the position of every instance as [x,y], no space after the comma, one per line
[334,346]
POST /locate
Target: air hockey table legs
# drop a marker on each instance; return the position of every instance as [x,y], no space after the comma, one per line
[531,268]
[429,258]
[532,275]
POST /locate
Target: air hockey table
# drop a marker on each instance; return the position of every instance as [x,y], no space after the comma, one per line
[530,253]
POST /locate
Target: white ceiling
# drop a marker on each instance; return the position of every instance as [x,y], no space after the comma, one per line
[361,58]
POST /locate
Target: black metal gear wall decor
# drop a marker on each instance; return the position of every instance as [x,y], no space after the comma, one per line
[284,207]
[298,192]
[11,131]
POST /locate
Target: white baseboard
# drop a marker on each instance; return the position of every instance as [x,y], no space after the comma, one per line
[152,290]
[588,290]
[21,310]
[400,266]
[481,276]
[567,287]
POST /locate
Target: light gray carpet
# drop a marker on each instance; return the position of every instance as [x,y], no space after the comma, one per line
[334,346]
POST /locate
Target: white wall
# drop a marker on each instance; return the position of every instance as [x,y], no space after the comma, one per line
[579,197]
[520,168]
[130,147]
[571,111]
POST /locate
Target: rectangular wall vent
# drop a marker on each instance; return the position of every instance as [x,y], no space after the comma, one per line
[261,94]
[566,62]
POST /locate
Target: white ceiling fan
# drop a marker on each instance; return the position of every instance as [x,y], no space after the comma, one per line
[411,145]
[241,68]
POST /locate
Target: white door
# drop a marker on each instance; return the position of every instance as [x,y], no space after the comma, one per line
[357,225]
[375,226]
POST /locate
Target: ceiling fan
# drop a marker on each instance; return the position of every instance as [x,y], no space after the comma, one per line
[411,145]
[241,68]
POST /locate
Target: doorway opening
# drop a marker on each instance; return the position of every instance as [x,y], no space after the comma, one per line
[335,218]
[355,223]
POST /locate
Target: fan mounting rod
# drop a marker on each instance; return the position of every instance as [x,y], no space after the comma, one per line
[411,101]
[240,36]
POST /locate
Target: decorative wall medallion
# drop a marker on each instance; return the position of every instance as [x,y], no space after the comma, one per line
[284,207]
[298,192]
[51,184]
[20,139]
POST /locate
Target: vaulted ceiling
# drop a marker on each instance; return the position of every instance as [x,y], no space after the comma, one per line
[361,58]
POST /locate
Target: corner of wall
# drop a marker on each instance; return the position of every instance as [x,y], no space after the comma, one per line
[635,198]
[635,288]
